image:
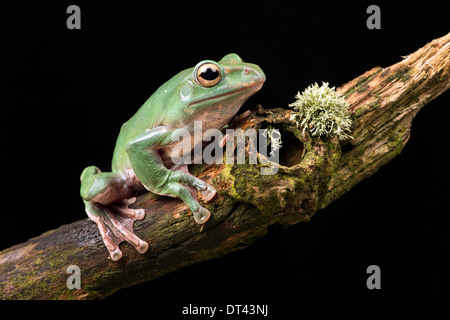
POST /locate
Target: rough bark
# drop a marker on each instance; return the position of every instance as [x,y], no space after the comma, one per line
[312,173]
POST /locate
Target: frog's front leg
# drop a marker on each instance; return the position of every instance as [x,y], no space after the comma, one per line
[106,197]
[149,168]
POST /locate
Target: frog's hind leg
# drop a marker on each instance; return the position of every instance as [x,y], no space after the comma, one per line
[103,194]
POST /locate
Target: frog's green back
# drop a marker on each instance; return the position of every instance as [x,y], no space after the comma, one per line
[162,108]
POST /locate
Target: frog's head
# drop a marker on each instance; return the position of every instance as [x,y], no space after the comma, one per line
[213,92]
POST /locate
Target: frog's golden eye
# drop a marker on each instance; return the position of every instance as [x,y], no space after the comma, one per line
[208,74]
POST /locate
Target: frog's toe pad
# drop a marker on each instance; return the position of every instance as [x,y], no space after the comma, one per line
[202,215]
[208,193]
[116,254]
[139,214]
[142,247]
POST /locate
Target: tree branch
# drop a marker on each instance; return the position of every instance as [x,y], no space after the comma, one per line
[312,173]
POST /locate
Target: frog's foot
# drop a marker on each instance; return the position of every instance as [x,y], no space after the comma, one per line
[201,215]
[223,141]
[193,183]
[115,223]
[239,119]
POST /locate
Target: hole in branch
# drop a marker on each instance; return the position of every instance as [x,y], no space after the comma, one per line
[346,147]
[292,149]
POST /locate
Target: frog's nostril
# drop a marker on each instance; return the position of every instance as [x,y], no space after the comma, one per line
[245,70]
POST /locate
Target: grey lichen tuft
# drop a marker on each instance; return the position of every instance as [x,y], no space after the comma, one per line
[322,111]
[273,138]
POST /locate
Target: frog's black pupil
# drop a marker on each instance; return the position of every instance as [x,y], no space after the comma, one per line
[209,74]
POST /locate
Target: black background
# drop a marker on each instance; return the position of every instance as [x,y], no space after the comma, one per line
[68,92]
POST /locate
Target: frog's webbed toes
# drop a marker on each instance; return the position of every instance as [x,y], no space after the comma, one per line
[115,223]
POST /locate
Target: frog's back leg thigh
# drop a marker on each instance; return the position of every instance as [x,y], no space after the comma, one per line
[106,197]
[102,187]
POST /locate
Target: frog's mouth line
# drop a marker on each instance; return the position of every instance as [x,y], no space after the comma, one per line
[227,93]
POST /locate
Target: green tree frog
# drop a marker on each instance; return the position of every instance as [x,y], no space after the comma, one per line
[211,92]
